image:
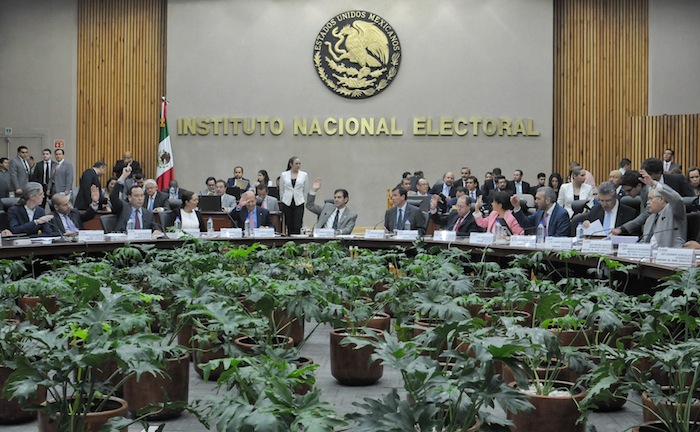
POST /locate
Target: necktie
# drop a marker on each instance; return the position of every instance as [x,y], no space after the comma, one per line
[46,172]
[264,203]
[335,219]
[150,203]
[651,231]
[399,221]
[606,222]
[137,220]
[518,188]
[68,224]
[545,221]
[458,224]
[251,217]
[26,165]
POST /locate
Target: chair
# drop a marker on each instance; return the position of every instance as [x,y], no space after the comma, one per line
[175,204]
[167,219]
[4,220]
[422,202]
[74,194]
[109,223]
[575,221]
[579,206]
[634,202]
[529,200]
[693,225]
[8,202]
[691,204]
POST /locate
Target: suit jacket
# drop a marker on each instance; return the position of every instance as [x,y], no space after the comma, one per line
[525,186]
[624,214]
[558,224]
[38,176]
[412,214]
[228,202]
[672,167]
[240,214]
[671,225]
[231,182]
[19,176]
[84,198]
[73,215]
[437,189]
[271,204]
[448,222]
[122,209]
[19,221]
[679,184]
[161,200]
[119,167]
[566,195]
[296,192]
[346,223]
[5,184]
[63,178]
[676,182]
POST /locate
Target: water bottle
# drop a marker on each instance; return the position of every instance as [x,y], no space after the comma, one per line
[210,226]
[497,231]
[172,193]
[130,224]
[579,234]
[178,223]
[407,226]
[246,228]
[539,238]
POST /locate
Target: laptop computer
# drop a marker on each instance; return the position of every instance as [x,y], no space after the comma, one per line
[210,203]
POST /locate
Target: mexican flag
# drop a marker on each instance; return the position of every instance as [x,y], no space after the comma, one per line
[166,163]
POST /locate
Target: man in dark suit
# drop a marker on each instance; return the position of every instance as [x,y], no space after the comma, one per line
[517,185]
[66,219]
[554,217]
[668,164]
[609,211]
[90,177]
[445,187]
[127,160]
[337,215]
[27,216]
[473,190]
[133,208]
[655,168]
[460,220]
[247,209]
[541,181]
[155,200]
[490,185]
[396,217]
[44,173]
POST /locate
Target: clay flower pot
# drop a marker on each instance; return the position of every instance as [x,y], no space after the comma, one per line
[115,407]
[352,366]
[551,413]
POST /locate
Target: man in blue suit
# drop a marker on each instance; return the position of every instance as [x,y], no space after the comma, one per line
[247,209]
[555,218]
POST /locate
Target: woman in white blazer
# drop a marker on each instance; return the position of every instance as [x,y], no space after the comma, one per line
[293,186]
[575,190]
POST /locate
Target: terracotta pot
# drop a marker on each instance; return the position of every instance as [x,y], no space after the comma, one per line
[575,338]
[564,372]
[204,353]
[250,346]
[657,426]
[171,387]
[550,413]
[352,366]
[522,317]
[623,335]
[289,326]
[424,324]
[667,407]
[27,304]
[11,410]
[94,421]
[300,362]
[605,405]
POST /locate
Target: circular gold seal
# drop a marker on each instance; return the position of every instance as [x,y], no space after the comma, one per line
[357,54]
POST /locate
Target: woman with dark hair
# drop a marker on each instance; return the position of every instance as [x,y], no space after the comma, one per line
[555,182]
[263,179]
[293,186]
[577,190]
[501,212]
[190,217]
[27,216]
[693,177]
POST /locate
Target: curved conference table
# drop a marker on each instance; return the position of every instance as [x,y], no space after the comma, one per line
[643,277]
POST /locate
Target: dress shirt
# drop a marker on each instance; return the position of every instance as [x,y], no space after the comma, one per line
[137,216]
[189,220]
[400,214]
[30,213]
[151,201]
[610,217]
[519,188]
[336,213]
[446,189]
[68,223]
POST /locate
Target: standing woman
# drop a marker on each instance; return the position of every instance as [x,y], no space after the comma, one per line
[293,186]
[576,190]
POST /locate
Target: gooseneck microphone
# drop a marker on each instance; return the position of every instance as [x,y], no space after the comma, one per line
[643,236]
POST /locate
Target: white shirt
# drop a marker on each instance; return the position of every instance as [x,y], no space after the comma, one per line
[329,222]
[189,220]
[30,213]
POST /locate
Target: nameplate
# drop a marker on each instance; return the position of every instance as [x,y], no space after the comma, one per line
[263,232]
[406,234]
[559,243]
[86,236]
[324,233]
[192,232]
[22,242]
[481,238]
[523,241]
[139,234]
[232,232]
[374,234]
[600,247]
[676,257]
[445,235]
[636,251]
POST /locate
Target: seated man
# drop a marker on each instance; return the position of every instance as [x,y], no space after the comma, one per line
[238,180]
[337,215]
[396,217]
[247,209]
[27,216]
[68,220]
[609,211]
[155,201]
[228,202]
[211,187]
[554,217]
[666,225]
[267,202]
[132,208]
[460,220]
[422,188]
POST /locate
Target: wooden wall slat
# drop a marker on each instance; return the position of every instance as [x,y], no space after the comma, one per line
[654,134]
[600,81]
[121,77]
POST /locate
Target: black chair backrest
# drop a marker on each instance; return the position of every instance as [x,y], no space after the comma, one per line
[4,221]
[175,204]
[109,223]
[691,204]
[273,191]
[693,226]
[8,202]
[579,206]
[633,202]
[167,218]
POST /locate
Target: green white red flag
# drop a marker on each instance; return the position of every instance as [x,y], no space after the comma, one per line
[165,162]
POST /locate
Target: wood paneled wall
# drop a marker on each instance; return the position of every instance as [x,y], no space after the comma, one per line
[121,78]
[654,134]
[600,81]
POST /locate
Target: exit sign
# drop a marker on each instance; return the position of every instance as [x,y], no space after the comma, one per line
[59,144]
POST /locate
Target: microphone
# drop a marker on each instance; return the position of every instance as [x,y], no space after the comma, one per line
[378,223]
[594,233]
[641,238]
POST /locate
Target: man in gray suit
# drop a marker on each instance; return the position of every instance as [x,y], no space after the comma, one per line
[4,177]
[63,174]
[228,202]
[266,201]
[336,216]
[19,170]
[666,225]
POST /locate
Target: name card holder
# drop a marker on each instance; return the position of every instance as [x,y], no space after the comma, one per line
[445,235]
[139,234]
[192,232]
[523,241]
[232,232]
[263,232]
[636,251]
[89,236]
[324,233]
[676,257]
[559,243]
[407,235]
[601,247]
[481,238]
[374,234]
